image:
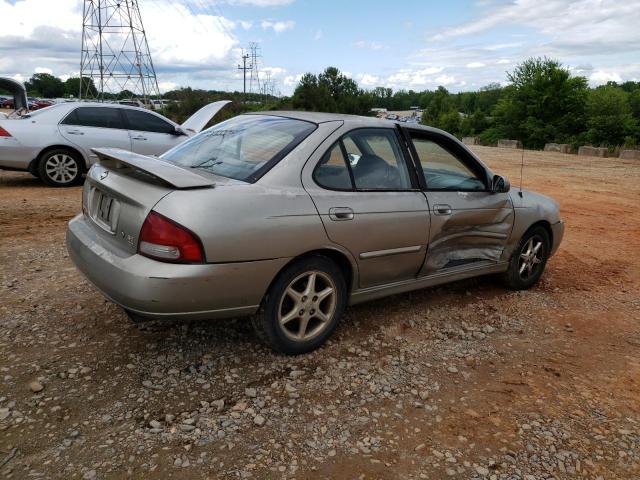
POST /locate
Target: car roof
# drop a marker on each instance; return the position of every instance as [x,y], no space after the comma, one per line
[350,120]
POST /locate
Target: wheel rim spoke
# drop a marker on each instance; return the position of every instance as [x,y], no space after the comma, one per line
[302,329]
[290,316]
[324,294]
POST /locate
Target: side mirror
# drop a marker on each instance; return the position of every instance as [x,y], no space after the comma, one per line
[500,184]
[179,131]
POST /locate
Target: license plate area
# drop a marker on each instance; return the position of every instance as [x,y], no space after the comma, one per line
[103,209]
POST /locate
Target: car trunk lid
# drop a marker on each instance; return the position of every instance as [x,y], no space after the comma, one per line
[123,188]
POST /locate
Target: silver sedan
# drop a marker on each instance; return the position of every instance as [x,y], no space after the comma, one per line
[55,143]
[290,217]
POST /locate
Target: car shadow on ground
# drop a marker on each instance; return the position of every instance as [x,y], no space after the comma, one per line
[199,336]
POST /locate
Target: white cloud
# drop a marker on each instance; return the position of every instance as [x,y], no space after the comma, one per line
[367,80]
[475,65]
[166,86]
[503,61]
[594,26]
[42,70]
[279,26]
[601,77]
[292,80]
[369,45]
[259,3]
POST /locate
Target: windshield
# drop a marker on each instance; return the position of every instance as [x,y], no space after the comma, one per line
[242,148]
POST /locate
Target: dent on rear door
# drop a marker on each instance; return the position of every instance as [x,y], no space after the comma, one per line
[477,228]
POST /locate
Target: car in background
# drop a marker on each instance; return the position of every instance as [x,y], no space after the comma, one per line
[159,104]
[55,142]
[269,215]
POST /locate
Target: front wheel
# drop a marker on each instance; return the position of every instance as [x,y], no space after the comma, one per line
[528,260]
[60,168]
[302,307]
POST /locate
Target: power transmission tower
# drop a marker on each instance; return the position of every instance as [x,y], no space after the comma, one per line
[255,74]
[244,69]
[115,53]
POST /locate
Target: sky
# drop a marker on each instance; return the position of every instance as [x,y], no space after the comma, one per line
[410,44]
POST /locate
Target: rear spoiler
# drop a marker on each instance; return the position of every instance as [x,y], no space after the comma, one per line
[170,173]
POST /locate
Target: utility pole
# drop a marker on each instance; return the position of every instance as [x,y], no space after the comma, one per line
[244,69]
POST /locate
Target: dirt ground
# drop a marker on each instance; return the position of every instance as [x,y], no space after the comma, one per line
[463,381]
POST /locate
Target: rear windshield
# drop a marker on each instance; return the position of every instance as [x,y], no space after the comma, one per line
[242,148]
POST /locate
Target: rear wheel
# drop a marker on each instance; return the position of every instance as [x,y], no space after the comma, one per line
[302,307]
[528,260]
[60,168]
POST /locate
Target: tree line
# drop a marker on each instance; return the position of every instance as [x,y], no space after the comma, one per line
[542,103]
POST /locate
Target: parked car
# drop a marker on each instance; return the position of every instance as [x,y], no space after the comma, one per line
[55,143]
[264,215]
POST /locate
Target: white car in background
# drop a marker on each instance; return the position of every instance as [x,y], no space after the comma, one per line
[55,143]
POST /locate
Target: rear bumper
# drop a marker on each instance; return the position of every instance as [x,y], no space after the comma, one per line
[557,231]
[157,290]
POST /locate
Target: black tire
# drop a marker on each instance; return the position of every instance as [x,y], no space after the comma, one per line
[135,318]
[310,309]
[513,278]
[60,168]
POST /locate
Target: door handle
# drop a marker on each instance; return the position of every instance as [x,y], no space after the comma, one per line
[340,214]
[138,138]
[442,209]
[75,132]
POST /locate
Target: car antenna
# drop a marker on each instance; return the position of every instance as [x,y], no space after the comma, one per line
[521,170]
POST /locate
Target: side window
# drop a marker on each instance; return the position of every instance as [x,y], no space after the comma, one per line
[147,122]
[376,160]
[443,170]
[103,117]
[332,171]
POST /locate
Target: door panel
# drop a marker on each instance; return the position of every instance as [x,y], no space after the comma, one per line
[151,143]
[386,233]
[150,134]
[385,224]
[477,228]
[95,127]
[469,223]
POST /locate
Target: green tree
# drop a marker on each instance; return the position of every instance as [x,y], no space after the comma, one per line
[440,103]
[72,87]
[609,116]
[543,103]
[331,91]
[46,85]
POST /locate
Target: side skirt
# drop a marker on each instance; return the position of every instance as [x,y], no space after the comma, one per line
[450,275]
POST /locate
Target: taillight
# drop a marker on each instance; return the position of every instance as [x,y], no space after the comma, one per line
[4,133]
[163,239]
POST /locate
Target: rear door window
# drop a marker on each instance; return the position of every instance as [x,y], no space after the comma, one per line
[102,117]
[372,157]
[332,172]
[147,122]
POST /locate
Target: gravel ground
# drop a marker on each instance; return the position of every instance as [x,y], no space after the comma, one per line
[463,381]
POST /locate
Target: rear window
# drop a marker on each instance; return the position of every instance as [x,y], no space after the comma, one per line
[103,117]
[243,148]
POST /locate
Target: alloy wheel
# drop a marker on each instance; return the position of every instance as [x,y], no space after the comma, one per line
[307,305]
[61,168]
[531,257]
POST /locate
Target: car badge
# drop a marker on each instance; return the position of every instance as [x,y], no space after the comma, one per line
[104,174]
